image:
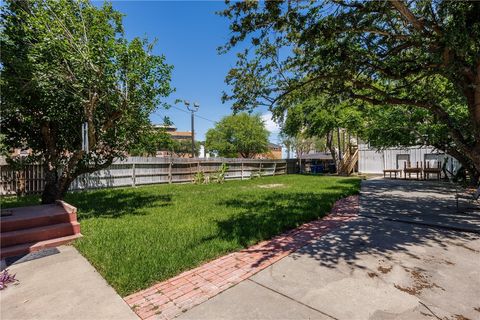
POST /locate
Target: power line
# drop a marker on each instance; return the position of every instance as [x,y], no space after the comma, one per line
[185,111]
[206,119]
[177,108]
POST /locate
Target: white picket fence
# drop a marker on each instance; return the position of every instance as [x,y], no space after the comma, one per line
[136,171]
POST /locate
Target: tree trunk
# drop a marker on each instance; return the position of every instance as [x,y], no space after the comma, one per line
[299,155]
[50,191]
[474,178]
[330,146]
[55,186]
[472,95]
[466,162]
[476,157]
[473,172]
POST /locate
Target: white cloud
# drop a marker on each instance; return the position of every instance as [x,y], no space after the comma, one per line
[271,125]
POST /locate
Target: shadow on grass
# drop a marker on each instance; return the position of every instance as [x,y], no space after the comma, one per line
[351,182]
[108,204]
[264,217]
[271,215]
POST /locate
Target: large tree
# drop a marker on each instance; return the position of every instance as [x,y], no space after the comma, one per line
[416,54]
[241,134]
[65,63]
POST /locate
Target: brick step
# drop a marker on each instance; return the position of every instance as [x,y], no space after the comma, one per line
[37,216]
[36,234]
[25,248]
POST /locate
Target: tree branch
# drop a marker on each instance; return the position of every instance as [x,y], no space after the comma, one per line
[408,16]
[443,116]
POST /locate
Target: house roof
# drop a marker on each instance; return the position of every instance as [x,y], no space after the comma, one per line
[318,156]
[274,146]
[165,126]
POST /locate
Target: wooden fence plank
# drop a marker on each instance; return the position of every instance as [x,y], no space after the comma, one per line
[135,171]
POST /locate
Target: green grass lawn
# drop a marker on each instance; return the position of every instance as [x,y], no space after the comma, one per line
[138,236]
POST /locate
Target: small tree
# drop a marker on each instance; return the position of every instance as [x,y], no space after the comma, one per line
[151,141]
[65,63]
[240,134]
[183,147]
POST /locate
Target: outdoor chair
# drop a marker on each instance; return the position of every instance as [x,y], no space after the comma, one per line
[431,170]
[390,171]
[409,169]
[471,197]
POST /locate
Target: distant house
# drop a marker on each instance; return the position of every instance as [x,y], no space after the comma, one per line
[17,152]
[176,135]
[317,162]
[274,152]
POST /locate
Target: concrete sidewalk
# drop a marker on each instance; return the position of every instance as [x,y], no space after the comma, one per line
[369,268]
[61,286]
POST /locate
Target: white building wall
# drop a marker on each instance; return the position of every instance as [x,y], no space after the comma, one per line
[372,161]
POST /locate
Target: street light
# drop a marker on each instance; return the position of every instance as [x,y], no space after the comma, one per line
[192,109]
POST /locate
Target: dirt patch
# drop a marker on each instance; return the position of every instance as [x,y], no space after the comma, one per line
[460,317]
[410,290]
[384,270]
[372,274]
[271,185]
[420,282]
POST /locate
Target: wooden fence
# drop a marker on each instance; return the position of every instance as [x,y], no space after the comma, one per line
[136,171]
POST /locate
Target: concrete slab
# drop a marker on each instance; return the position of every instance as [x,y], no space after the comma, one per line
[249,300]
[383,270]
[400,259]
[424,202]
[61,286]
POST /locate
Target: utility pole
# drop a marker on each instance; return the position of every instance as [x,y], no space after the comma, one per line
[192,109]
[339,145]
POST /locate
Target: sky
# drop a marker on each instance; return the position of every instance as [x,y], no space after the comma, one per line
[188,33]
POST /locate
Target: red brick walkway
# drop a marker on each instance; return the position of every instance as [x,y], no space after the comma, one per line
[168,299]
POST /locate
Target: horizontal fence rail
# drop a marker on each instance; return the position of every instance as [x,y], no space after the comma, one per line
[135,171]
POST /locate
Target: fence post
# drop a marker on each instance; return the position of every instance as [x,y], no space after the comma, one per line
[32,178]
[191,172]
[21,182]
[133,175]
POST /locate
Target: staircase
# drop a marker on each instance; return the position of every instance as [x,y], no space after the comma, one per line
[349,162]
[28,229]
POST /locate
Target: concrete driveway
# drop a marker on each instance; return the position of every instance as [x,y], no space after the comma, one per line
[62,285]
[398,260]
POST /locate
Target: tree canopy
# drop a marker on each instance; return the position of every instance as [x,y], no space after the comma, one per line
[150,141]
[68,62]
[183,147]
[241,134]
[416,55]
